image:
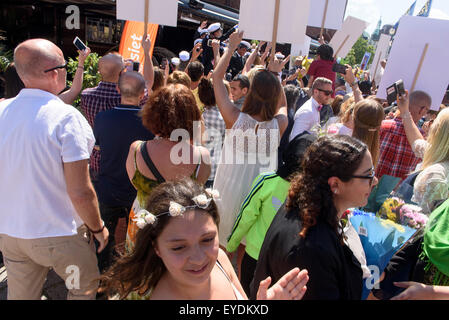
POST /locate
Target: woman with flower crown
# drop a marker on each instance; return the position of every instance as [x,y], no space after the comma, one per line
[177,254]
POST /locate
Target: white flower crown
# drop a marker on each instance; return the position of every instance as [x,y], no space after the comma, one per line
[144,217]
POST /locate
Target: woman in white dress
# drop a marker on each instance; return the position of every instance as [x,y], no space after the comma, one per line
[432,183]
[251,144]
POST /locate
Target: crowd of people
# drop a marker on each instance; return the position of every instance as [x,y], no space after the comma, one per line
[232,175]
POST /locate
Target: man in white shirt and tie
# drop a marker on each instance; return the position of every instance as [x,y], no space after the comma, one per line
[308,116]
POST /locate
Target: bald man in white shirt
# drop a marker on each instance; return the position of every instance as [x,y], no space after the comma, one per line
[48,207]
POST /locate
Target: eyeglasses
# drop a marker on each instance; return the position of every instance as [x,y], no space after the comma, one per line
[326,92]
[64,66]
[370,177]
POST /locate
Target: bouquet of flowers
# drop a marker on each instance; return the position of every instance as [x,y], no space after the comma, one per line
[381,239]
[396,210]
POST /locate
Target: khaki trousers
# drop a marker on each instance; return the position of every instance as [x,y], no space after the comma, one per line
[28,261]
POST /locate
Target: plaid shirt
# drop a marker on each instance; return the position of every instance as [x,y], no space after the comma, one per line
[214,121]
[94,100]
[396,155]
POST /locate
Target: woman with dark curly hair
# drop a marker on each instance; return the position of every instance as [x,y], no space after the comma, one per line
[307,232]
[177,255]
[150,163]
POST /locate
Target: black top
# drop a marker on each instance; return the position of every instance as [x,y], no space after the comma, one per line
[114,131]
[236,64]
[334,272]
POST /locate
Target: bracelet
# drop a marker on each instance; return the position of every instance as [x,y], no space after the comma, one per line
[353,84]
[97,231]
[81,67]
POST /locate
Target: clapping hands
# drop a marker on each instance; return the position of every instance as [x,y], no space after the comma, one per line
[292,286]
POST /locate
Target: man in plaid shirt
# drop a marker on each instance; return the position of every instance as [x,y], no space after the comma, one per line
[397,158]
[106,97]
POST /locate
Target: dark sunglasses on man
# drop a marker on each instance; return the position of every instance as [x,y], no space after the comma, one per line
[326,92]
[64,66]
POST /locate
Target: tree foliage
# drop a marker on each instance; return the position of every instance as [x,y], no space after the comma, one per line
[91,76]
[357,52]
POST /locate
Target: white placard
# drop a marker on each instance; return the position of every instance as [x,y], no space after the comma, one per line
[334,17]
[164,12]
[381,53]
[410,41]
[301,49]
[346,37]
[256,20]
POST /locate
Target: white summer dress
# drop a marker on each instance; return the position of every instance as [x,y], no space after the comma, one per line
[249,149]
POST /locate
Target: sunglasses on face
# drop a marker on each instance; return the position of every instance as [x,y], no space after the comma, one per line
[64,66]
[369,177]
[326,92]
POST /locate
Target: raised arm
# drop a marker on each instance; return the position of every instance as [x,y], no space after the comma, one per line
[148,70]
[70,95]
[227,109]
[196,52]
[411,130]
[251,59]
[350,79]
[216,50]
[275,66]
[264,56]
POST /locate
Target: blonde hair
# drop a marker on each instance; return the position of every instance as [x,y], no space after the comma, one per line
[253,72]
[179,77]
[438,150]
[348,104]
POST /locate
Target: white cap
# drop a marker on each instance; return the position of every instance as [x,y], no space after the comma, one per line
[196,41]
[184,56]
[175,61]
[214,27]
[279,56]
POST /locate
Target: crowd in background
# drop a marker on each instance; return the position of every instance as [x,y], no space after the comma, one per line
[230,172]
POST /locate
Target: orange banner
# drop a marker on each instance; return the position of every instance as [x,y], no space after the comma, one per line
[131,41]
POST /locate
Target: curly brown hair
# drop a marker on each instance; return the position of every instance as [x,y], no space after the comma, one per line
[142,269]
[171,107]
[310,193]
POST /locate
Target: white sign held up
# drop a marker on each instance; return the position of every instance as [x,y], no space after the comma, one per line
[327,14]
[381,53]
[164,12]
[257,20]
[346,37]
[419,57]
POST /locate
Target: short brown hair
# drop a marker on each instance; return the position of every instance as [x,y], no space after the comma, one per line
[206,93]
[171,107]
[179,77]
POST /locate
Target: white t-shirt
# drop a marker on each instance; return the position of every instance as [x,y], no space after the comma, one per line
[38,132]
[339,128]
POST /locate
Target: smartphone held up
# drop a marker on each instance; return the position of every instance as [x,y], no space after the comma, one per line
[79,44]
[394,90]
